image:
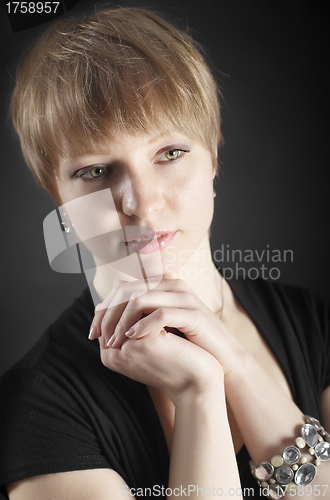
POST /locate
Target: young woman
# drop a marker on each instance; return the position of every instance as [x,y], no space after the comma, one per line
[191,378]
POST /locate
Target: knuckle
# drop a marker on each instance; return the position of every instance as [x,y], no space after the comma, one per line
[127,348]
[99,308]
[162,313]
[105,358]
[118,283]
[140,348]
[174,283]
[104,320]
[183,284]
[119,331]
[105,323]
[120,295]
[132,351]
[110,359]
[177,284]
[189,299]
[137,297]
[198,316]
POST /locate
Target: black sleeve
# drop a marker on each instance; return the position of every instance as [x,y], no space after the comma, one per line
[62,410]
[322,310]
[310,313]
[43,429]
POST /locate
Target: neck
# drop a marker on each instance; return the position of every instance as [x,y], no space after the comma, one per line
[200,273]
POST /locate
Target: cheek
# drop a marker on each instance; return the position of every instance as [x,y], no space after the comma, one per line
[92,214]
[196,199]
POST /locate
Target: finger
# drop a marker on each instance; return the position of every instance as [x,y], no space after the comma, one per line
[106,321]
[132,313]
[211,336]
[190,322]
[100,309]
[105,304]
[102,342]
[141,305]
[108,312]
[157,321]
[95,331]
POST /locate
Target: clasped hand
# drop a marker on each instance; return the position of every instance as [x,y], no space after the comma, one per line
[135,340]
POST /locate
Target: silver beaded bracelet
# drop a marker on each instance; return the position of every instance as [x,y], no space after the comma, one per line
[285,473]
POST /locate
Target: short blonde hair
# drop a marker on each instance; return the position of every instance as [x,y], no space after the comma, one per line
[122,68]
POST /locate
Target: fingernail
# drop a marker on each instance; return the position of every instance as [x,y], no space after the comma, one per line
[130,332]
[111,340]
[92,333]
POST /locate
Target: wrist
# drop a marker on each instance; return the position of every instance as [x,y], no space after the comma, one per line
[201,392]
[240,366]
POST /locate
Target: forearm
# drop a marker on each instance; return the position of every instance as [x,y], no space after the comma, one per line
[268,419]
[202,451]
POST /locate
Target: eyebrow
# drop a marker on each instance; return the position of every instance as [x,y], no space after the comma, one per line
[158,136]
[74,164]
[71,166]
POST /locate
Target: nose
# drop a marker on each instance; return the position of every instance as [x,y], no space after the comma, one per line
[142,197]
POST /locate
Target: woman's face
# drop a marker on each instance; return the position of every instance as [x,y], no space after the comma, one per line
[162,182]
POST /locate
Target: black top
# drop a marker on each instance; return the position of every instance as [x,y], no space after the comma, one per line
[62,410]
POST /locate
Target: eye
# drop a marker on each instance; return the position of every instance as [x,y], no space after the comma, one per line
[95,172]
[171,155]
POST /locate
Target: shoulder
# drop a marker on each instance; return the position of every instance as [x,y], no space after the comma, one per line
[76,318]
[294,321]
[41,381]
[74,484]
[303,306]
[48,357]
[292,311]
[289,310]
[70,329]
[51,411]
[281,297]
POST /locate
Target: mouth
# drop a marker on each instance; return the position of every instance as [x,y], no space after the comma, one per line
[146,244]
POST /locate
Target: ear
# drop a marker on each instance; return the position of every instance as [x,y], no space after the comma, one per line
[218,143]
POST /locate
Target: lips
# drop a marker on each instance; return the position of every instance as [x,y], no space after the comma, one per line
[145,244]
[142,237]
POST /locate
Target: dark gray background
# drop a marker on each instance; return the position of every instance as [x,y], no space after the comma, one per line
[274,186]
[271,60]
